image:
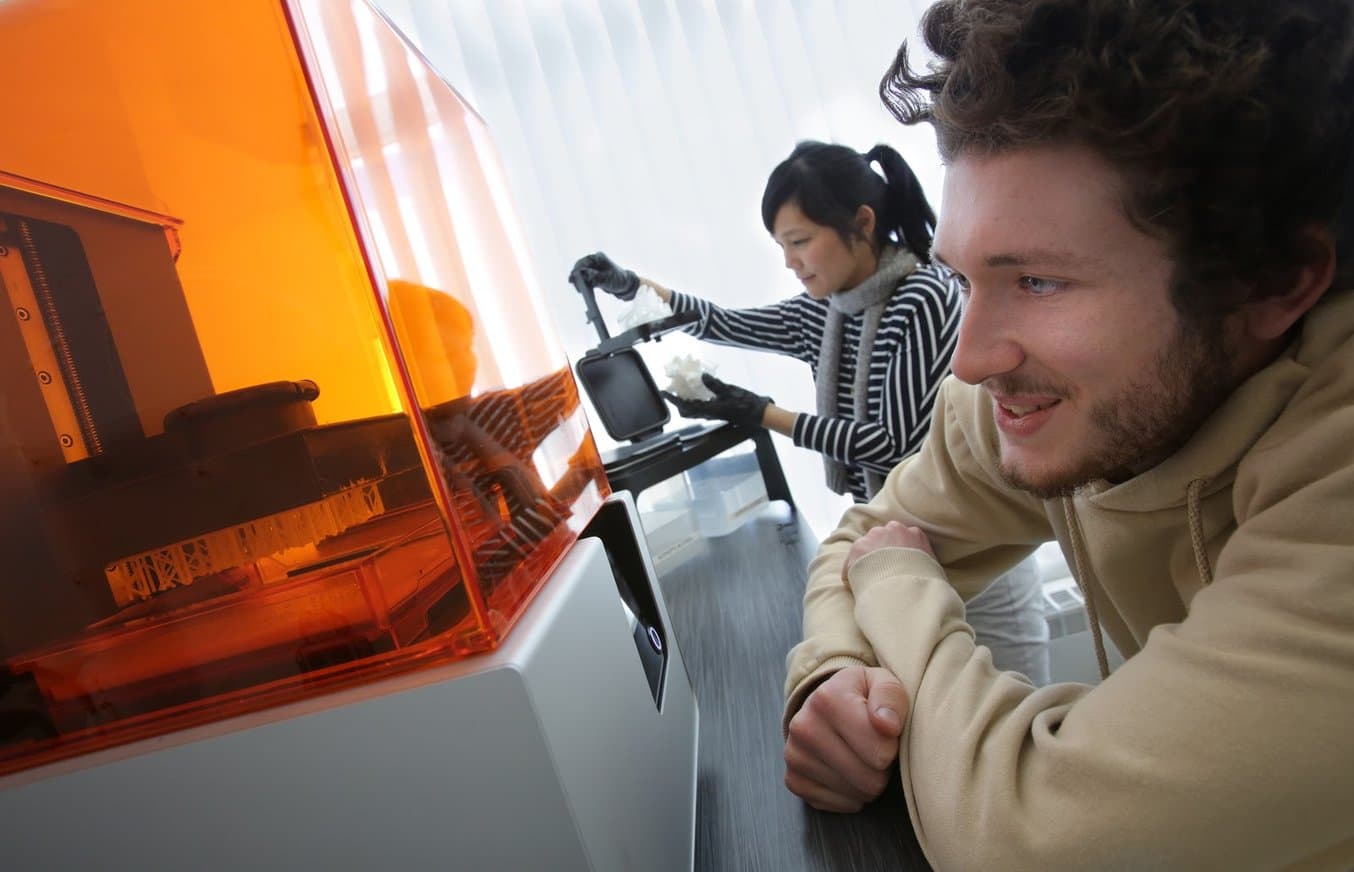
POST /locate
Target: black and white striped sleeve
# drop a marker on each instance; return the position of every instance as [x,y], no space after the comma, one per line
[926,327]
[787,327]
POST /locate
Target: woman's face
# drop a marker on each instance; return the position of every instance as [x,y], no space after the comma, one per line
[818,256]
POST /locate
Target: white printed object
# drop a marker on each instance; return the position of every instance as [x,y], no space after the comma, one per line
[684,377]
[646,307]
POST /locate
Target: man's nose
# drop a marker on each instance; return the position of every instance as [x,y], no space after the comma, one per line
[987,344]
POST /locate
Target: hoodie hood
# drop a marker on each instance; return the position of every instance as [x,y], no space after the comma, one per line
[1173,520]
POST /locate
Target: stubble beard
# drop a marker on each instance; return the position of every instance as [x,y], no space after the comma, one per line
[1149,420]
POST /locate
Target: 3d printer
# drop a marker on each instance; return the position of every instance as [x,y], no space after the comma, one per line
[285,452]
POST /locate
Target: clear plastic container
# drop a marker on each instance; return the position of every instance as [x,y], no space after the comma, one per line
[722,494]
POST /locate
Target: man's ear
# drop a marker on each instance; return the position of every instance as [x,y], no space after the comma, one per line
[1269,318]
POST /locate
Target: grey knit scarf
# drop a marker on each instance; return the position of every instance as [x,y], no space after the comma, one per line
[870,297]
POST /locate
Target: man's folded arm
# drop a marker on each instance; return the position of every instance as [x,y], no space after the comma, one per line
[951,489]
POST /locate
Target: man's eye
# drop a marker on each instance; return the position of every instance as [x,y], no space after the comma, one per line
[1038,286]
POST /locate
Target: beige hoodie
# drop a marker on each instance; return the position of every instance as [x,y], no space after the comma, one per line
[1225,575]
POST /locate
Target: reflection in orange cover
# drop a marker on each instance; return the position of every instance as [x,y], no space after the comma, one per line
[239,467]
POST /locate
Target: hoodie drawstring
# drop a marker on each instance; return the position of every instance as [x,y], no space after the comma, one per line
[1193,509]
[1079,561]
[1196,530]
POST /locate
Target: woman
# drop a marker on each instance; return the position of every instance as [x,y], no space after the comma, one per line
[877,324]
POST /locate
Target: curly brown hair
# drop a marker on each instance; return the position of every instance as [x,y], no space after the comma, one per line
[1230,119]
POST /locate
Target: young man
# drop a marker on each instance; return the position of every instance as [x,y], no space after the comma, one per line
[1155,368]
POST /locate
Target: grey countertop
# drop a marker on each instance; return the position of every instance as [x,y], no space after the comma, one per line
[735,608]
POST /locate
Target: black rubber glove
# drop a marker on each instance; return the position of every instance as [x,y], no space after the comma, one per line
[597,271]
[730,403]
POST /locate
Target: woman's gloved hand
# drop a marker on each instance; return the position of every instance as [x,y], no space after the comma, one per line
[730,403]
[597,271]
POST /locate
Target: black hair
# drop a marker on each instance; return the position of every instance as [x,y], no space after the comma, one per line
[830,183]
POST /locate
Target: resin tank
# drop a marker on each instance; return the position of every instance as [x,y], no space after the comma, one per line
[279,410]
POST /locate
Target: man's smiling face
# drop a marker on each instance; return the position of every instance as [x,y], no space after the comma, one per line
[1068,322]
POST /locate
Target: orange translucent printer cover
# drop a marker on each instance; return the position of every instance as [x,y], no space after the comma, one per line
[279,410]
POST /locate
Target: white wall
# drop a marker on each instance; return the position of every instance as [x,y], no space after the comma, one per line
[647,128]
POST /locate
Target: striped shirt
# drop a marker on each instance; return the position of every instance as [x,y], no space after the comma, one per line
[911,356]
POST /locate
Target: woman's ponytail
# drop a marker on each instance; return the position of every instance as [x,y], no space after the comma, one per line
[905,207]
